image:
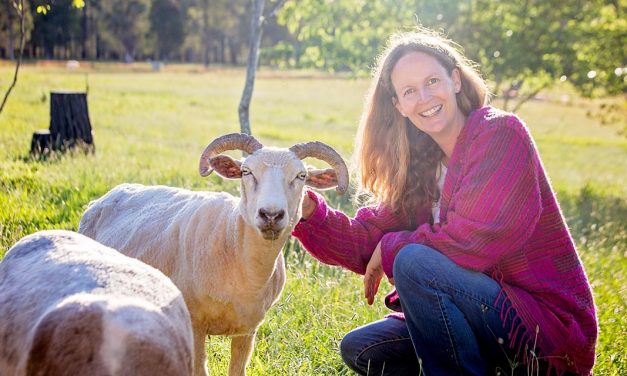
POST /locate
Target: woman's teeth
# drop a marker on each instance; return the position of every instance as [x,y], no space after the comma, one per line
[432,111]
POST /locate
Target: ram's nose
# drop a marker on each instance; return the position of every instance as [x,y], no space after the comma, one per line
[271,223]
[271,217]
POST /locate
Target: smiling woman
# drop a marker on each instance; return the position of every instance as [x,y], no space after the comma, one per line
[491,276]
[400,121]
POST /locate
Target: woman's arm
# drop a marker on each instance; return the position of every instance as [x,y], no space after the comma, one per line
[336,239]
[496,207]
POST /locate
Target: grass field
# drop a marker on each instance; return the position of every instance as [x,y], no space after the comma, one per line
[150,127]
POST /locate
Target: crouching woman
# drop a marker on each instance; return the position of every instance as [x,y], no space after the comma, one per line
[465,224]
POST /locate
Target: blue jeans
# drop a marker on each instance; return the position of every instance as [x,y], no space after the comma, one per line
[451,327]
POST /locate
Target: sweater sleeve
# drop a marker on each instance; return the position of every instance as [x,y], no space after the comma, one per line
[336,239]
[495,208]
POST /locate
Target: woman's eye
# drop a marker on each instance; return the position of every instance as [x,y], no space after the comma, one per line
[407,92]
[433,81]
[245,171]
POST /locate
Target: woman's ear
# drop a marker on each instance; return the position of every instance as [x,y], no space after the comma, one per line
[398,106]
[457,80]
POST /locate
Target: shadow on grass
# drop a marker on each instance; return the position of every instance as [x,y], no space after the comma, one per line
[596,220]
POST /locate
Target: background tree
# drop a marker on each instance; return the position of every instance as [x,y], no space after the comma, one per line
[598,62]
[237,29]
[128,22]
[257,22]
[521,46]
[216,30]
[18,7]
[10,27]
[166,24]
[57,31]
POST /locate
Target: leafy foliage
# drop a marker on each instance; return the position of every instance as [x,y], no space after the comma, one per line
[522,46]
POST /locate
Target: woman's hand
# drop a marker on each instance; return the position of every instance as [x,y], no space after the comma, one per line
[374,273]
[308,207]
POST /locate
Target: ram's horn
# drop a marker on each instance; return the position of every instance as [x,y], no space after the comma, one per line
[325,153]
[233,141]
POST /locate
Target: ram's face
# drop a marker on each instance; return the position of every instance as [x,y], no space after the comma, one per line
[271,191]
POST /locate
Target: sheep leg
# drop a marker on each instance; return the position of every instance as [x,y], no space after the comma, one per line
[200,351]
[241,350]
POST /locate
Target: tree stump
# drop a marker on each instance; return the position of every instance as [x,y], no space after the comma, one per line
[69,125]
[41,143]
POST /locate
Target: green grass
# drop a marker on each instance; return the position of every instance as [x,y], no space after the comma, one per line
[151,128]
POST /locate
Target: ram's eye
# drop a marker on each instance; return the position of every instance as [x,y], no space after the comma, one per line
[302,176]
[245,171]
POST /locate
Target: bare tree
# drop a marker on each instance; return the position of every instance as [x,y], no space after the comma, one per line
[19,7]
[205,32]
[257,21]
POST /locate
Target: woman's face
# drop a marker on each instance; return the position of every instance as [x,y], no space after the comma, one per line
[425,93]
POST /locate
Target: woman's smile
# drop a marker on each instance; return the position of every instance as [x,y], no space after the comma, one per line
[431,112]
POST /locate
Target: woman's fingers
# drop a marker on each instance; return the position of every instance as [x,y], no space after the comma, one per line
[372,280]
[373,275]
[308,207]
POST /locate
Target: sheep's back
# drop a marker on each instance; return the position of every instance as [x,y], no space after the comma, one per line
[171,229]
[60,294]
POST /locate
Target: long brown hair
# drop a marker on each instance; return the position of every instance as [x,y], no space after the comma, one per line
[396,161]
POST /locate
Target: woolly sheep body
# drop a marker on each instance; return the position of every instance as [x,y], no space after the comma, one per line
[70,306]
[196,245]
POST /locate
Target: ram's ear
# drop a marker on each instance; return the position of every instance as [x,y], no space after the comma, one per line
[226,166]
[321,179]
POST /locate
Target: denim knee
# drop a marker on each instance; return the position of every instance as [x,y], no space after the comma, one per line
[350,347]
[415,260]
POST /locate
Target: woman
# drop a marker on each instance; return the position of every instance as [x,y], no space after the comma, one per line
[466,227]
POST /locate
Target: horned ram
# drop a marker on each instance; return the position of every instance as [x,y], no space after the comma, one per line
[222,252]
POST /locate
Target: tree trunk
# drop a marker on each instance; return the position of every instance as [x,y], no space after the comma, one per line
[10,34]
[234,47]
[99,54]
[253,59]
[222,58]
[69,121]
[85,31]
[529,96]
[205,32]
[507,96]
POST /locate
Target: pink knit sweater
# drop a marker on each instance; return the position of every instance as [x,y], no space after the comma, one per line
[498,216]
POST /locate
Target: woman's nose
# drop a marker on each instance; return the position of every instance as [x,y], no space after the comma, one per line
[422,95]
